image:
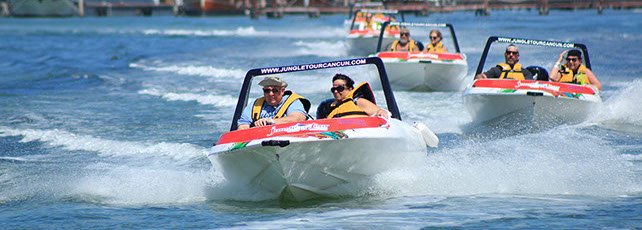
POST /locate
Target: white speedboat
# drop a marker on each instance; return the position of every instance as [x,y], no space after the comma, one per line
[536,101]
[424,71]
[365,30]
[317,158]
[360,6]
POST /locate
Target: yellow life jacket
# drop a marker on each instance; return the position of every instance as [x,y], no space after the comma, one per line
[347,107]
[258,104]
[411,45]
[514,73]
[577,78]
[439,48]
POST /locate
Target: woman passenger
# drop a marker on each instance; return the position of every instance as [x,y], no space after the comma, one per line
[435,43]
[573,71]
[350,101]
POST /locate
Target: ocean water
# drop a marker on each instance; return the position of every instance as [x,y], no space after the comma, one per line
[106,123]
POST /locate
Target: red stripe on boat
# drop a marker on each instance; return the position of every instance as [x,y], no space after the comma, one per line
[555,87]
[422,55]
[294,128]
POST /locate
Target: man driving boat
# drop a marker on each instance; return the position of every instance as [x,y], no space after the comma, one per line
[510,69]
[573,71]
[404,43]
[275,107]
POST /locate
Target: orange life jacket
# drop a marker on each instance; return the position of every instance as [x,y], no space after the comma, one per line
[578,78]
[347,107]
[438,48]
[411,46]
[258,104]
[514,73]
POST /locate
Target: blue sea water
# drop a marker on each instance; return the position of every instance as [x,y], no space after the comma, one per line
[106,123]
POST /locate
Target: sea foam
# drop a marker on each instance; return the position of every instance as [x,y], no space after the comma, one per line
[624,107]
[561,161]
[207,71]
[182,152]
[240,31]
[216,100]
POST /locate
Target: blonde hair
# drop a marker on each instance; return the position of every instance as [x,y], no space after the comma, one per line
[437,32]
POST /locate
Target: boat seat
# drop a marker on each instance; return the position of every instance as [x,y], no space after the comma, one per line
[322,109]
[538,72]
[419,45]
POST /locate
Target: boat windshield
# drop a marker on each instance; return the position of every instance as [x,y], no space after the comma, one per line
[420,32]
[373,19]
[539,53]
[313,82]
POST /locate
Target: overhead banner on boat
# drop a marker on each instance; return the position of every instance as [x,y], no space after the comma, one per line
[324,65]
[381,11]
[535,42]
[419,24]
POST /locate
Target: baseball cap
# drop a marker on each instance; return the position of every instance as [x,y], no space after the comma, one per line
[273,81]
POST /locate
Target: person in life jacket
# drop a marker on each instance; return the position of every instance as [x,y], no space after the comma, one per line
[350,101]
[435,43]
[573,71]
[404,43]
[368,23]
[275,107]
[508,70]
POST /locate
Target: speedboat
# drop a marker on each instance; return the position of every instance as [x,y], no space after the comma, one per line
[424,71]
[537,100]
[317,158]
[360,6]
[365,30]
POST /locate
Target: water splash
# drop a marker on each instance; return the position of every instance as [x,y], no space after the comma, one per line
[180,152]
[241,31]
[321,49]
[125,172]
[560,161]
[216,100]
[207,71]
[623,108]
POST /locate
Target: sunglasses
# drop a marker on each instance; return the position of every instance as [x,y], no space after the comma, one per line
[572,59]
[404,34]
[433,38]
[512,52]
[273,90]
[339,89]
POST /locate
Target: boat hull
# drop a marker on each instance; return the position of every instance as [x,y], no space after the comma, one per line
[319,164]
[423,71]
[530,101]
[364,42]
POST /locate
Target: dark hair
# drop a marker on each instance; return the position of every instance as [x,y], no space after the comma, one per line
[349,82]
[575,53]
